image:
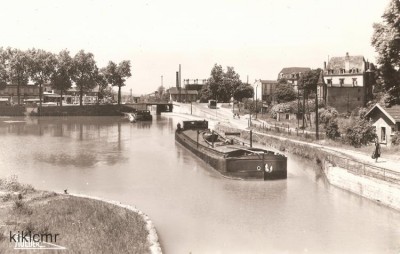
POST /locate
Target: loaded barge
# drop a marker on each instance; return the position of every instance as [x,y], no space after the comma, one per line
[228,156]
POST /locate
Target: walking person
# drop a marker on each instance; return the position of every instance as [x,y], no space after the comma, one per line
[377,152]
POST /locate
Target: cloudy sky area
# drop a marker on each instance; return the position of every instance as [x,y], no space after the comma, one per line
[257,37]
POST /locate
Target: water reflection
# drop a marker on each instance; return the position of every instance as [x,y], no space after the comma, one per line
[100,139]
[80,160]
[193,207]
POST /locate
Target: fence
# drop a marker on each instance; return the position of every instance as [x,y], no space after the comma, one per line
[285,129]
[308,151]
[360,168]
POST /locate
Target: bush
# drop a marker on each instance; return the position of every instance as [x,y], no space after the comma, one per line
[396,139]
[327,114]
[332,129]
[359,132]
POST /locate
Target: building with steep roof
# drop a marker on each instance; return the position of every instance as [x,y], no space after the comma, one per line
[349,82]
[292,74]
[386,122]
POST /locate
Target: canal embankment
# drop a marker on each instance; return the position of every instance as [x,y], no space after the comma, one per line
[66,110]
[83,224]
[369,181]
[374,182]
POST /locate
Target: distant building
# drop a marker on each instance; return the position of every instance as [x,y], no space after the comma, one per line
[29,91]
[386,122]
[348,82]
[194,84]
[72,96]
[182,95]
[264,90]
[292,75]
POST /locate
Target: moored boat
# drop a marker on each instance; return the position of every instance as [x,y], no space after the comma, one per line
[228,156]
[143,115]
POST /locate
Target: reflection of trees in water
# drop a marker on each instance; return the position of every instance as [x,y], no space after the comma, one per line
[80,160]
[100,139]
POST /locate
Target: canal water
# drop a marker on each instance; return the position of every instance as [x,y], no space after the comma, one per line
[195,210]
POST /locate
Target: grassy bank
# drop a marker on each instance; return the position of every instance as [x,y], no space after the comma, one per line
[83,225]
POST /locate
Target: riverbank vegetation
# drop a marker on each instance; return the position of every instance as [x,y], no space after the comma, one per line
[223,85]
[60,71]
[83,225]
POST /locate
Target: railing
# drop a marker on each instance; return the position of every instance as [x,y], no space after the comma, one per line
[360,168]
[285,128]
[351,165]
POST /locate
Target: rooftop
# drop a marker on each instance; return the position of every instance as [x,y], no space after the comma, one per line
[290,70]
[356,62]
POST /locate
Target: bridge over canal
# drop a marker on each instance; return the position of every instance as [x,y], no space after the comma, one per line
[160,106]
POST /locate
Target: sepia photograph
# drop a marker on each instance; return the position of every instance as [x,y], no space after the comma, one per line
[200,127]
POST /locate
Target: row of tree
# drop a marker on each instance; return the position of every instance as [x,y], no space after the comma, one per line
[60,70]
[224,85]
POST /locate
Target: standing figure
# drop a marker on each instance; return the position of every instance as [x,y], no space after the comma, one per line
[377,152]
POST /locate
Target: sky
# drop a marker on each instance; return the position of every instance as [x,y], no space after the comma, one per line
[257,37]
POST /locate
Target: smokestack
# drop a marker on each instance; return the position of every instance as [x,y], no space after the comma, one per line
[324,65]
[180,76]
[177,79]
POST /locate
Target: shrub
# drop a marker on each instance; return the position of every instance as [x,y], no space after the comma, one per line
[327,114]
[396,139]
[359,133]
[332,129]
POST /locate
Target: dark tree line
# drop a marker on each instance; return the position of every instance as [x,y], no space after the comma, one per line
[61,71]
[224,85]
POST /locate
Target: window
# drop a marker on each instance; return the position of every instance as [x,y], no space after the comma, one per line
[383,134]
[341,81]
[354,81]
[329,81]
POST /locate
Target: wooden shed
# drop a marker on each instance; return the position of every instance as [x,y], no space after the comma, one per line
[386,122]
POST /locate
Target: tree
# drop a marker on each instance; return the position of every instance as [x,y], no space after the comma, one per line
[41,67]
[61,78]
[104,88]
[215,81]
[221,85]
[309,82]
[205,93]
[116,75]
[284,93]
[386,40]
[359,132]
[85,72]
[18,68]
[3,68]
[243,91]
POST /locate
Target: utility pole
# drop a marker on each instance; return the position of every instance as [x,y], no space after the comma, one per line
[298,108]
[320,83]
[180,83]
[304,105]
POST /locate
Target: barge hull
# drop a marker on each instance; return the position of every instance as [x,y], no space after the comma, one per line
[251,167]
